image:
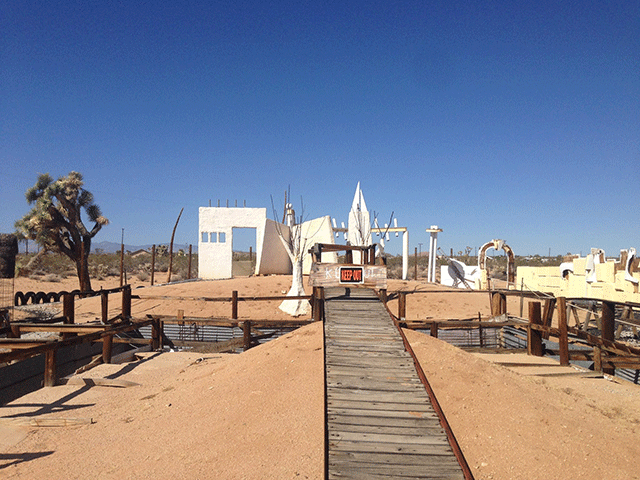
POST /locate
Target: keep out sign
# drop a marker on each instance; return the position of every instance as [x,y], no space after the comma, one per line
[351,275]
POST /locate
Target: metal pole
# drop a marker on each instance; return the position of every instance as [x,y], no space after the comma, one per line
[405,254]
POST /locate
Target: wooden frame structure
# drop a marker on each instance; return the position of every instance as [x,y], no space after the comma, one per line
[70,333]
[607,353]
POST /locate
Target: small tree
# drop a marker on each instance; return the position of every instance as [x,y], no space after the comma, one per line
[296,246]
[55,221]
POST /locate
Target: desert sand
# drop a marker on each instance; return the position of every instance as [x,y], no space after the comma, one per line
[259,414]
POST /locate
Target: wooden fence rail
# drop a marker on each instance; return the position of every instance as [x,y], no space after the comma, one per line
[606,352]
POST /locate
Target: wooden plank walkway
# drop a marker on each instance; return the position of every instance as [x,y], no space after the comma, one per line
[380,421]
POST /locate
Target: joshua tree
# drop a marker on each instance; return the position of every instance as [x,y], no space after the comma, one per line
[55,221]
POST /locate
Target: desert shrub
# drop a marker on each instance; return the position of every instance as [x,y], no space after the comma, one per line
[143,276]
[51,277]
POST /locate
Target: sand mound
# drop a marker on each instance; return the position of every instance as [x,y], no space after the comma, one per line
[255,415]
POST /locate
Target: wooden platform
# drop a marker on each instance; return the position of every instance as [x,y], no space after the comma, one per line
[380,421]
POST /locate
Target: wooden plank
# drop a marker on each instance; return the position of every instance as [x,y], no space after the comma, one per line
[356,458]
[408,413]
[383,421]
[97,382]
[46,422]
[423,471]
[421,430]
[342,445]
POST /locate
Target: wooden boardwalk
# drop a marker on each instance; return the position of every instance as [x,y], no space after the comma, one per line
[380,420]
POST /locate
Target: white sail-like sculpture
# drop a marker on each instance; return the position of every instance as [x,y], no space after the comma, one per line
[359,227]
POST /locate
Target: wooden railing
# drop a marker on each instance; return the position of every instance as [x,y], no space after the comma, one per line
[606,352]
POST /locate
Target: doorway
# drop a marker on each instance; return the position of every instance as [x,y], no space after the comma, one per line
[244,252]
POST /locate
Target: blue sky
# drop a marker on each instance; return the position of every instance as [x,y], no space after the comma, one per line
[507,119]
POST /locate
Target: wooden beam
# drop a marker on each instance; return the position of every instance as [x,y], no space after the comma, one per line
[104,303]
[60,327]
[107,342]
[534,343]
[234,304]
[402,306]
[246,335]
[563,340]
[433,329]
[547,314]
[46,422]
[97,382]
[50,368]
[20,343]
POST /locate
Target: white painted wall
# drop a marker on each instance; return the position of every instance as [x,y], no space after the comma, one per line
[215,258]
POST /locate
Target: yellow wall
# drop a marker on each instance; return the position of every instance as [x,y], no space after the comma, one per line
[609,284]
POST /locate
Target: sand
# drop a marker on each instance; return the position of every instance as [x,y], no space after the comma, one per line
[259,414]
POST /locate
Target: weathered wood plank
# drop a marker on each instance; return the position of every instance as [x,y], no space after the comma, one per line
[387,459]
[342,445]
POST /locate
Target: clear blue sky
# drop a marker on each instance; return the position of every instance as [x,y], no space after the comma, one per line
[508,119]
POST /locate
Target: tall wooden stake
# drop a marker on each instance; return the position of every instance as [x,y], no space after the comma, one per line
[173,234]
[608,330]
[563,341]
[122,259]
[153,263]
[534,339]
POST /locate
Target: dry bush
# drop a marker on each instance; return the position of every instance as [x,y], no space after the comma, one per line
[143,276]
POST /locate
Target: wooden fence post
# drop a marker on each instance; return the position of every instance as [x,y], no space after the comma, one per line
[246,335]
[68,311]
[547,314]
[315,304]
[68,308]
[498,304]
[155,334]
[563,340]
[153,263]
[597,359]
[15,332]
[534,337]
[608,330]
[107,342]
[433,329]
[189,269]
[402,305]
[104,300]
[416,265]
[50,368]
[383,295]
[234,305]
[126,302]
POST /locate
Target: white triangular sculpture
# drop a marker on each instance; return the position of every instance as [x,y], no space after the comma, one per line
[359,230]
